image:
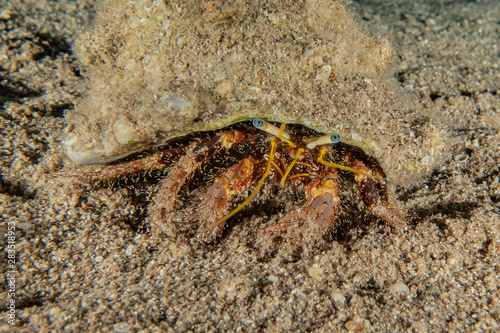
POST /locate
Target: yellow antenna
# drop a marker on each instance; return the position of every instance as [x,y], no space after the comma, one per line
[276,166]
[299,175]
[300,151]
[343,167]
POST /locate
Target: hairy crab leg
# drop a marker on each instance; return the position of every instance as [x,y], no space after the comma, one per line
[153,162]
[162,206]
[215,204]
[280,133]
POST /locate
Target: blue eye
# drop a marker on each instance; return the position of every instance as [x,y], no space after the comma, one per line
[334,138]
[257,122]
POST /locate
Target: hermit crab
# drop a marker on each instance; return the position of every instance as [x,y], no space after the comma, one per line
[207,173]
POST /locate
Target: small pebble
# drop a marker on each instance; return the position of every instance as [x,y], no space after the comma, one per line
[272,278]
[398,288]
[5,15]
[430,23]
[357,324]
[99,259]
[122,327]
[130,249]
[338,297]
[461,158]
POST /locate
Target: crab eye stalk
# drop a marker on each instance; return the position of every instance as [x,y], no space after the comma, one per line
[323,140]
[271,129]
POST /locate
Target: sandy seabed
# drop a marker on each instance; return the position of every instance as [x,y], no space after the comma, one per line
[83,265]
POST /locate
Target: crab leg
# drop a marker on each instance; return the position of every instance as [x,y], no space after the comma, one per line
[162,207]
[214,209]
[148,163]
[317,215]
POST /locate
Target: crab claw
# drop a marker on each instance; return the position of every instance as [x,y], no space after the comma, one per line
[375,196]
[315,218]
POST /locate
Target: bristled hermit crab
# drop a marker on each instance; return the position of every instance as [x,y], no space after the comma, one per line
[208,173]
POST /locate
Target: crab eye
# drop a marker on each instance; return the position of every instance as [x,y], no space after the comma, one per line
[257,122]
[334,138]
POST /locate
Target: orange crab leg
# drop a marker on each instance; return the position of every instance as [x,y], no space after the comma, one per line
[321,211]
[162,207]
[216,202]
[259,185]
[149,163]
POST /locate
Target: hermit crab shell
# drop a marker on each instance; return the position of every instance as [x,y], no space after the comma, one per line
[158,70]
